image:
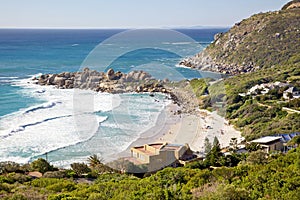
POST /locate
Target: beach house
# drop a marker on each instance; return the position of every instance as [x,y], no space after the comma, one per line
[291,93]
[269,143]
[159,155]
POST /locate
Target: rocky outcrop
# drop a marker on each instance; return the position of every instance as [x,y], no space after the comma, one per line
[291,5]
[261,41]
[118,82]
[112,82]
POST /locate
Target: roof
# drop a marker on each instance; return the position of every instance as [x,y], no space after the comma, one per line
[171,147]
[287,137]
[266,139]
[291,90]
[143,150]
[159,147]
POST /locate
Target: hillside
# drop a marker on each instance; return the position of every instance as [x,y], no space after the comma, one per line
[266,46]
[256,177]
[259,42]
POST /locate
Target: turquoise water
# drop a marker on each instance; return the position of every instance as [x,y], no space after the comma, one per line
[35,120]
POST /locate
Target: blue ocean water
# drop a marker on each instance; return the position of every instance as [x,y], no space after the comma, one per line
[27,52]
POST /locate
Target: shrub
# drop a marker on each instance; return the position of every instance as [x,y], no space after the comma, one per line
[41,165]
[80,168]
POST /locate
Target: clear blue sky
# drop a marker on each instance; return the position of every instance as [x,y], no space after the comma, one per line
[130,13]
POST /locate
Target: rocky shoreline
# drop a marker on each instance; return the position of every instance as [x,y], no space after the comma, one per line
[204,62]
[118,82]
[111,82]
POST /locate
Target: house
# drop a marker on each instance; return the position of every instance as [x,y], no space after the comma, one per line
[270,143]
[285,138]
[264,88]
[159,155]
[291,93]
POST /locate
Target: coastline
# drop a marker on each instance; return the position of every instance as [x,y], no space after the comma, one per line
[186,128]
[165,120]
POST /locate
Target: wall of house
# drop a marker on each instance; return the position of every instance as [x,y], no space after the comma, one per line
[140,156]
[278,146]
[163,159]
[180,152]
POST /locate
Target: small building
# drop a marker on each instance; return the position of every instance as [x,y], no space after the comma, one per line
[285,138]
[269,143]
[291,93]
[159,155]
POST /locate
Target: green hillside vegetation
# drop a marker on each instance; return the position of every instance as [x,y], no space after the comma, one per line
[262,114]
[261,41]
[255,177]
[270,41]
[199,86]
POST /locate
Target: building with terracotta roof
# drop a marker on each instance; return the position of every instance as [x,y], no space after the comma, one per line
[159,155]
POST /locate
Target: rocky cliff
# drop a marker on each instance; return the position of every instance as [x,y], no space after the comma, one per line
[261,41]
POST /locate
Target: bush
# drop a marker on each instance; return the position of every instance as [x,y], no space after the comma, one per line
[41,165]
[80,168]
[55,174]
[8,167]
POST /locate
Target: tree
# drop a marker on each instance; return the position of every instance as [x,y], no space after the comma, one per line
[207,146]
[41,165]
[257,157]
[252,147]
[213,157]
[80,168]
[295,141]
[94,161]
[216,141]
[233,144]
[7,167]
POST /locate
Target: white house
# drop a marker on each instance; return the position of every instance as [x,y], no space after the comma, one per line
[291,91]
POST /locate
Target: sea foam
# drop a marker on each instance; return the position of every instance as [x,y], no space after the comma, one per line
[71,124]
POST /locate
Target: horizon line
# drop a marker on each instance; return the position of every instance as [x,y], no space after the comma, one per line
[120,28]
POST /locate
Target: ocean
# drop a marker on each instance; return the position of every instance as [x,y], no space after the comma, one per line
[37,121]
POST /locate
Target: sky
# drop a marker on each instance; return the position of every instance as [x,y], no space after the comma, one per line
[129,13]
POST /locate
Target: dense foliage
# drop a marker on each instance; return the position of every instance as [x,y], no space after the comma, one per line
[275,177]
[261,114]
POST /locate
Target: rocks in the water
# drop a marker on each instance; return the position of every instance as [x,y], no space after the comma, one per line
[117,82]
[111,81]
[59,81]
[110,74]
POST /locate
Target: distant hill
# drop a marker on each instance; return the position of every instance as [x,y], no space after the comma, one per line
[261,41]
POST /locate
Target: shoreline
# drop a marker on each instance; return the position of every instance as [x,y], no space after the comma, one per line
[186,128]
[163,123]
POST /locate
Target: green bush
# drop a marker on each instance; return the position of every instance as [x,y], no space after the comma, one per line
[41,165]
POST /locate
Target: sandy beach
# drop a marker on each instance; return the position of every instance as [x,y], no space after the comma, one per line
[187,128]
[193,129]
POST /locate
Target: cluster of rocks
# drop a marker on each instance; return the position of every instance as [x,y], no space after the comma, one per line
[111,81]
[206,63]
[118,82]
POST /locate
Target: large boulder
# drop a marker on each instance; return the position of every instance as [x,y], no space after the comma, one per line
[51,79]
[144,75]
[94,79]
[59,81]
[110,74]
[84,76]
[67,75]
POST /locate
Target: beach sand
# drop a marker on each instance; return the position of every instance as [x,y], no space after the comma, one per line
[187,128]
